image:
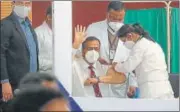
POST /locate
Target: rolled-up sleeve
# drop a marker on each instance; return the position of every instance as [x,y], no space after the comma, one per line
[133,80]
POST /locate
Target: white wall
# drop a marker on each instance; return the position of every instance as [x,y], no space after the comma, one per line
[63,42]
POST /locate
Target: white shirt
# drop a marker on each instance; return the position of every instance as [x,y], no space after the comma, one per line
[81,72]
[44,36]
[80,67]
[148,60]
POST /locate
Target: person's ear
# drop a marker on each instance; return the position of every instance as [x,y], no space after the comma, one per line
[84,52]
[12,4]
[107,17]
[49,17]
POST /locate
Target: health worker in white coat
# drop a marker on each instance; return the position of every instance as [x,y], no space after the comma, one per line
[148,61]
[45,39]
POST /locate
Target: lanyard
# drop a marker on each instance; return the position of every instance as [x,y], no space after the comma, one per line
[113,42]
[112,50]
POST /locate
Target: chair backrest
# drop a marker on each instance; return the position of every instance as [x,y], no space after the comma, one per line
[174,80]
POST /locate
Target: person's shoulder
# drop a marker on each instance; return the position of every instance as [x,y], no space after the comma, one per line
[77,60]
[6,21]
[102,67]
[7,26]
[142,44]
[39,28]
[98,24]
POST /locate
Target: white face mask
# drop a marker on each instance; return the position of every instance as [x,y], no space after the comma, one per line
[22,11]
[113,27]
[92,56]
[129,44]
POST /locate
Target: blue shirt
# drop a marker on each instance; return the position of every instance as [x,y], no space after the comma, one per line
[31,44]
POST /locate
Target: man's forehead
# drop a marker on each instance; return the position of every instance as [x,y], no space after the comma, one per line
[93,42]
[113,12]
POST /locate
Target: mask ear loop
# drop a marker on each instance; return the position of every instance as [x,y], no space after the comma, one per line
[111,28]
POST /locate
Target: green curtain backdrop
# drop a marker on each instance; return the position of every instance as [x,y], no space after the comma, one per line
[175,40]
[153,21]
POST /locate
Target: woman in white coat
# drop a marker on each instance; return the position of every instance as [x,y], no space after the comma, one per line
[148,61]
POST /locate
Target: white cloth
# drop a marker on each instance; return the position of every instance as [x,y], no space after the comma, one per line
[99,30]
[45,40]
[81,73]
[148,61]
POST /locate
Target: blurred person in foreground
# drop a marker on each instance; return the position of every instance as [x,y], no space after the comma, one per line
[39,78]
[32,80]
[38,98]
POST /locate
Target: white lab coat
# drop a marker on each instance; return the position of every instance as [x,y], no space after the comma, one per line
[99,30]
[45,39]
[148,60]
[81,72]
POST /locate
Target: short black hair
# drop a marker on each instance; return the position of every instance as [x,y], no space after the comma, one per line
[90,38]
[36,78]
[116,5]
[33,99]
[49,11]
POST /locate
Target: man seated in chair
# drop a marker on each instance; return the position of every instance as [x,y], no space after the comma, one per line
[88,66]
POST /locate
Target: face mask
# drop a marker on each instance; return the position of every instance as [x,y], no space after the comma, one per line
[22,11]
[92,56]
[129,44]
[114,27]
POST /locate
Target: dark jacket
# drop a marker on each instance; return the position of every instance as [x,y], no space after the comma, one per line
[15,56]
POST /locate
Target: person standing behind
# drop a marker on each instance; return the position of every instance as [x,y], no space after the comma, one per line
[39,99]
[19,49]
[45,38]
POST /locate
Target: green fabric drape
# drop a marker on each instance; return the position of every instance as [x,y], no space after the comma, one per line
[175,41]
[153,21]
